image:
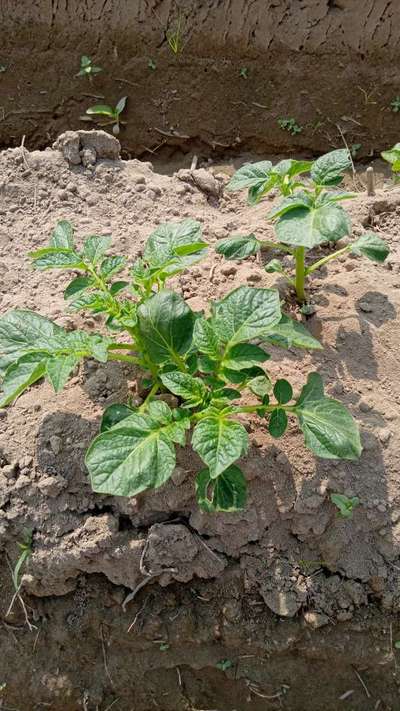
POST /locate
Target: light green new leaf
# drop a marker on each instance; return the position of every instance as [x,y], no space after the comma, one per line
[244,355]
[219,441]
[161,247]
[59,368]
[309,227]
[371,246]
[136,454]
[205,339]
[238,247]
[274,266]
[246,313]
[228,492]
[329,168]
[289,333]
[101,110]
[20,375]
[63,235]
[253,174]
[292,167]
[185,386]
[94,248]
[328,427]
[56,258]
[166,326]
[392,155]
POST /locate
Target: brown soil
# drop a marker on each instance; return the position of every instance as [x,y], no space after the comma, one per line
[332,65]
[302,603]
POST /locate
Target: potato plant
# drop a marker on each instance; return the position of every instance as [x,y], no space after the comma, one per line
[213,363]
[308,216]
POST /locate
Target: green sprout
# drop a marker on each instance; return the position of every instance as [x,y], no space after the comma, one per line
[395,104]
[113,114]
[87,68]
[174,36]
[224,664]
[290,125]
[152,65]
[345,504]
[244,73]
[26,551]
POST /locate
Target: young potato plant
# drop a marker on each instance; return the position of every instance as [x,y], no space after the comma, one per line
[308,216]
[214,364]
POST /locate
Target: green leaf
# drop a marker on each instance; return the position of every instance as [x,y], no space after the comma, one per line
[111,266]
[228,492]
[289,333]
[94,248]
[161,247]
[118,286]
[20,375]
[309,227]
[256,192]
[330,197]
[244,355]
[299,200]
[219,441]
[253,174]
[101,110]
[329,168]
[190,389]
[371,246]
[166,326]
[328,427]
[59,368]
[136,454]
[63,235]
[283,391]
[345,504]
[274,265]
[56,258]
[185,249]
[278,422]
[121,105]
[114,414]
[238,247]
[245,313]
[76,285]
[205,338]
[260,385]
[393,155]
[292,167]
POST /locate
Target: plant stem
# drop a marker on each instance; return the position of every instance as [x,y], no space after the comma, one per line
[300,274]
[117,346]
[266,408]
[268,244]
[124,357]
[152,392]
[324,260]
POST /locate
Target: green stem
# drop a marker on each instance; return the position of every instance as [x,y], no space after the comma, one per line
[123,357]
[324,260]
[266,408]
[117,346]
[300,273]
[150,395]
[268,244]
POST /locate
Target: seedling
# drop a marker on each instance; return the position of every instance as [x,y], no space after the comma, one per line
[26,551]
[395,104]
[3,68]
[152,65]
[209,362]
[308,216]
[290,125]
[392,156]
[174,36]
[224,664]
[87,68]
[397,644]
[354,149]
[113,114]
[345,504]
[164,647]
[244,73]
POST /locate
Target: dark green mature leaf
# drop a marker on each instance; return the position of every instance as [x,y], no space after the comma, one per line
[283,391]
[136,454]
[59,368]
[166,326]
[113,414]
[304,227]
[328,427]
[278,422]
[329,168]
[161,247]
[238,247]
[56,258]
[244,355]
[228,492]
[371,246]
[246,313]
[205,338]
[94,248]
[254,174]
[77,285]
[290,333]
[219,441]
[185,386]
[20,375]
[111,266]
[63,235]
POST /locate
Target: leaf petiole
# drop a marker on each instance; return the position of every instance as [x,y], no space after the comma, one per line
[327,259]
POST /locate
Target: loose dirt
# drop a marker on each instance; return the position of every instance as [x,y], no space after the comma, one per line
[284,605]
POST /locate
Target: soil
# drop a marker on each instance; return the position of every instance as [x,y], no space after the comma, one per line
[284,605]
[331,65]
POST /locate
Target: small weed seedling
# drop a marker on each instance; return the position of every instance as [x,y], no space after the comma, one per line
[3,68]
[152,65]
[244,73]
[290,125]
[112,114]
[392,156]
[174,36]
[354,149]
[224,664]
[209,362]
[395,104]
[345,504]
[87,68]
[308,216]
[26,551]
